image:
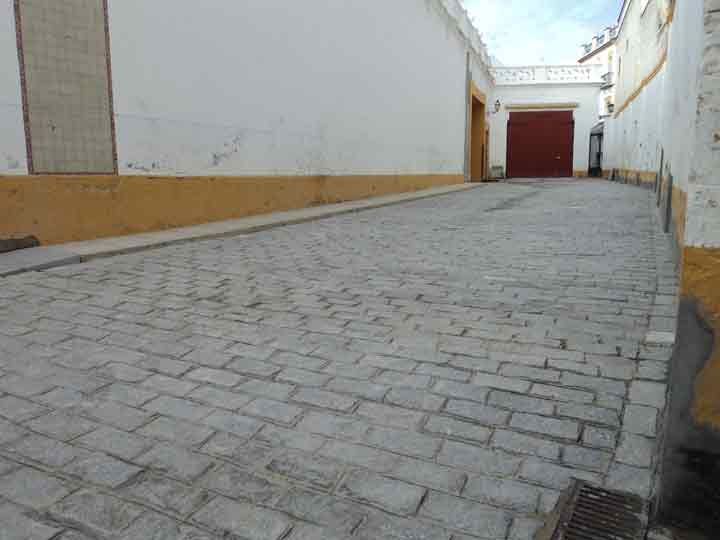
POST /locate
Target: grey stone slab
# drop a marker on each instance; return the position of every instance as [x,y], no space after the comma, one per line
[599,437]
[101,469]
[165,494]
[175,462]
[242,426]
[33,488]
[63,425]
[324,399]
[387,415]
[641,420]
[597,415]
[461,390]
[267,389]
[49,452]
[116,414]
[502,492]
[457,429]
[131,395]
[477,459]
[17,526]
[474,518]
[169,385]
[220,398]
[597,384]
[100,513]
[559,393]
[325,510]
[179,431]
[476,412]
[427,474]
[648,393]
[386,493]
[238,483]
[393,528]
[158,527]
[178,408]
[19,409]
[361,456]
[554,476]
[631,479]
[273,410]
[114,442]
[520,402]
[289,438]
[10,432]
[554,427]
[316,471]
[242,519]
[403,442]
[586,458]
[363,389]
[636,450]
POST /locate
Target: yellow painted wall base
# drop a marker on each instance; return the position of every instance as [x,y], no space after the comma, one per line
[60,209]
[701,281]
[631,175]
[580,174]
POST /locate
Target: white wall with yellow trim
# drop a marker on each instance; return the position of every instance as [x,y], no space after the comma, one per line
[291,88]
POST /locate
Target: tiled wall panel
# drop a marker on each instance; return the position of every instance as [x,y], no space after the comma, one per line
[68,105]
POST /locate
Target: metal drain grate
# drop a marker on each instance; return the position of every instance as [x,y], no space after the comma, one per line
[593,513]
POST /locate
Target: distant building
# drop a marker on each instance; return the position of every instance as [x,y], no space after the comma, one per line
[602,50]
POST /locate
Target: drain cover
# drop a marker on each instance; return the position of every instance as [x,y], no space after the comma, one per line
[593,513]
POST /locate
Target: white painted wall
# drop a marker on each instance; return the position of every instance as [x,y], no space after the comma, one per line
[585,115]
[13,159]
[267,88]
[664,114]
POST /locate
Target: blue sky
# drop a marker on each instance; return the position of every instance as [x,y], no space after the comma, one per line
[540,31]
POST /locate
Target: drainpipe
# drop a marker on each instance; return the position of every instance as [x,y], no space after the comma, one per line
[468,112]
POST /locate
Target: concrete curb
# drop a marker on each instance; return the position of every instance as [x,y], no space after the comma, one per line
[43,258]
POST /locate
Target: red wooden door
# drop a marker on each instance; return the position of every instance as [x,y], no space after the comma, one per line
[540,144]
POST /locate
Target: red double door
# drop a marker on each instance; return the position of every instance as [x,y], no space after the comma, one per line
[540,144]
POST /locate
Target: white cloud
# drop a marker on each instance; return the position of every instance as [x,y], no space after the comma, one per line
[540,31]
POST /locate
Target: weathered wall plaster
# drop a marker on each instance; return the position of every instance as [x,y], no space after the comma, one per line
[291,88]
[13,159]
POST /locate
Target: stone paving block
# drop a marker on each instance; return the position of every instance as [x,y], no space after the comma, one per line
[273,410]
[169,385]
[400,379]
[427,474]
[239,451]
[554,427]
[502,383]
[461,390]
[116,414]
[302,377]
[648,393]
[237,483]
[61,425]
[386,493]
[474,518]
[19,409]
[349,370]
[156,526]
[114,442]
[266,389]
[481,460]
[520,402]
[525,528]
[387,415]
[220,398]
[165,494]
[304,531]
[244,520]
[559,393]
[254,368]
[641,420]
[341,427]
[178,408]
[123,372]
[597,384]
[170,429]
[328,511]
[45,450]
[101,469]
[316,471]
[324,399]
[218,377]
[501,492]
[631,479]
[363,389]
[458,429]
[636,450]
[599,437]
[389,527]
[525,372]
[403,442]
[589,413]
[554,476]
[166,366]
[577,367]
[361,456]
[242,426]
[10,432]
[292,359]
[476,412]
[289,438]
[17,526]
[586,458]
[131,395]
[33,488]
[175,462]
[411,398]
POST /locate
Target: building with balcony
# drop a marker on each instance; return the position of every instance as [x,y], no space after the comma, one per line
[602,51]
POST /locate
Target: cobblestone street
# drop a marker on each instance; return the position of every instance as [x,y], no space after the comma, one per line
[426,371]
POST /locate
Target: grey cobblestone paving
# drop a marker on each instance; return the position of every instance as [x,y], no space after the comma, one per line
[434,370]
